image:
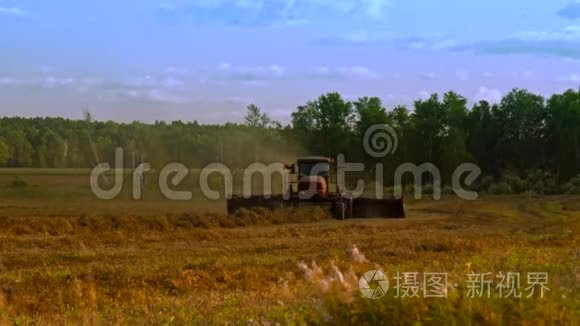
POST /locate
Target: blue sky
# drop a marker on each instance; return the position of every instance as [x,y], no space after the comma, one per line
[206,60]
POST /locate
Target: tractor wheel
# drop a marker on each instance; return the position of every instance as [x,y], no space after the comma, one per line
[340,210]
[348,208]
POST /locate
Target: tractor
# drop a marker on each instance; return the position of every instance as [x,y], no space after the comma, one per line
[311,181]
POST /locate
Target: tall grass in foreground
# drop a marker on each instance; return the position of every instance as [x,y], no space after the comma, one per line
[339,301]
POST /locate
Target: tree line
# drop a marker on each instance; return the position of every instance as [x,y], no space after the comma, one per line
[523,136]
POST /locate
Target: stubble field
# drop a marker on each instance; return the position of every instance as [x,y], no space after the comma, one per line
[68,258]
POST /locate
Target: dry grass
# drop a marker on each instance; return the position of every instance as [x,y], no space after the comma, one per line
[185,267]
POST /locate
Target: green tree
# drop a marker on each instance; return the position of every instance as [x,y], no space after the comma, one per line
[5,153]
[400,117]
[482,136]
[369,112]
[429,120]
[328,122]
[563,133]
[455,110]
[255,118]
[521,134]
[21,149]
[521,120]
[453,149]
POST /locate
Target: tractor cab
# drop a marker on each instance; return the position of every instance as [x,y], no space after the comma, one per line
[313,177]
[309,166]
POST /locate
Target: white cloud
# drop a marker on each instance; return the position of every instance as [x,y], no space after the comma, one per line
[571,60]
[163,89]
[569,33]
[228,71]
[9,81]
[424,95]
[560,43]
[462,75]
[431,75]
[360,72]
[86,83]
[53,82]
[224,66]
[256,83]
[172,83]
[153,82]
[46,81]
[356,37]
[142,81]
[488,94]
[241,100]
[176,71]
[572,78]
[527,73]
[168,6]
[156,95]
[425,42]
[354,72]
[272,12]
[166,89]
[571,11]
[162,96]
[264,71]
[429,42]
[290,23]
[12,11]
[375,8]
[564,42]
[443,44]
[45,69]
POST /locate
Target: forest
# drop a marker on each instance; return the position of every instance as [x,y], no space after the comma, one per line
[523,143]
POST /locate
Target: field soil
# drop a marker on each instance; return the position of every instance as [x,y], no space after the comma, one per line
[68,263]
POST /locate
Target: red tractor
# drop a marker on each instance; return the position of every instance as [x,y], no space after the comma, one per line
[309,183]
